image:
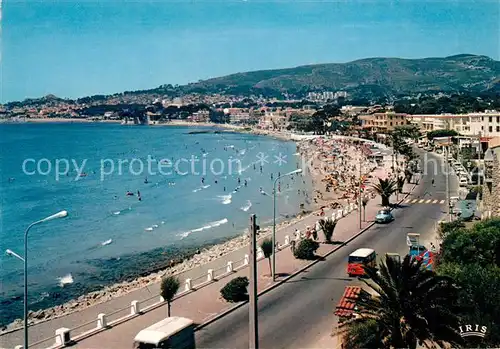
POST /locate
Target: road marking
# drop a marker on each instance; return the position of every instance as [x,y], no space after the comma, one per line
[421,201]
[407,201]
[435,201]
[428,201]
[414,201]
[441,202]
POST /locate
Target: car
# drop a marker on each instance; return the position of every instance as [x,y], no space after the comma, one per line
[384,216]
[463,182]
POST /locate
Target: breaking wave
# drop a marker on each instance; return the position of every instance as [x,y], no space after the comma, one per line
[205,227]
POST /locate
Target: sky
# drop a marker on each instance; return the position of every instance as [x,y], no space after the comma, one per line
[77,48]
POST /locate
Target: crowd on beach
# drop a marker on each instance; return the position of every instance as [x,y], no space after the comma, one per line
[337,167]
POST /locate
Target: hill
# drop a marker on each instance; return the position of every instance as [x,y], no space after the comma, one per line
[371,77]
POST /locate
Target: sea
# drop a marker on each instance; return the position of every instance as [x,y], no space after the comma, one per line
[136,196]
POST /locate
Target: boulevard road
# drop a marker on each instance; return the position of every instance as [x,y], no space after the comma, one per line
[299,313]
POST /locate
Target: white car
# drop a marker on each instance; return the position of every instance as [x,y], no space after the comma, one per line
[463,181]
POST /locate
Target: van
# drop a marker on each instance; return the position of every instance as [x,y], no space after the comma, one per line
[172,333]
[359,259]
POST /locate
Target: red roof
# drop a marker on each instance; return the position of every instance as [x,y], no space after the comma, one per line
[346,305]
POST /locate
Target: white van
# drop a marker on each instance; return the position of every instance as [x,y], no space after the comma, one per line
[172,332]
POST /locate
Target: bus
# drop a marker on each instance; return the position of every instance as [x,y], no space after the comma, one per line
[360,258]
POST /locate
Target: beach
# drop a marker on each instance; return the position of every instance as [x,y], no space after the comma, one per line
[334,180]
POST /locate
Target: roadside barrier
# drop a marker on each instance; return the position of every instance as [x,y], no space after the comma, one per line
[67,336]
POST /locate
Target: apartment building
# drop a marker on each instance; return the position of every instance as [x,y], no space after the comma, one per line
[472,124]
[274,120]
[383,122]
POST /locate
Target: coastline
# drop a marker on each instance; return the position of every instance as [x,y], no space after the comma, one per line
[57,120]
[321,197]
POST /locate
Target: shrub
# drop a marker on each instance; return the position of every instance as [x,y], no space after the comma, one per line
[235,290]
[267,248]
[306,249]
[328,226]
[168,288]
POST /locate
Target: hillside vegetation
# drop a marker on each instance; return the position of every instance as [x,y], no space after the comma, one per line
[369,77]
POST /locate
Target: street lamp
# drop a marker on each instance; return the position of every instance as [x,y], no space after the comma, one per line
[60,214]
[13,254]
[274,218]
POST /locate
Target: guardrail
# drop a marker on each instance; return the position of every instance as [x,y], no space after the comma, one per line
[65,336]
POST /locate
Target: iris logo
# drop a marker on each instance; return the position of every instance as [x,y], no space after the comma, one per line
[472,331]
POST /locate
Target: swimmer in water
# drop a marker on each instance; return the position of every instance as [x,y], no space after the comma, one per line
[246,182]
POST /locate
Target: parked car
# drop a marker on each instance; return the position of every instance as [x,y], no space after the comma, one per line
[384,216]
[463,181]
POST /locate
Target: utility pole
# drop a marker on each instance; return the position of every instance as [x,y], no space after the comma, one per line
[359,194]
[253,333]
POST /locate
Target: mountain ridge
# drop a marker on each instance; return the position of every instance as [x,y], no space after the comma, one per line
[378,75]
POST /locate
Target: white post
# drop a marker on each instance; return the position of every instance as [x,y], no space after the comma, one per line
[229,268]
[134,307]
[287,240]
[101,321]
[62,336]
[210,275]
[246,261]
[188,286]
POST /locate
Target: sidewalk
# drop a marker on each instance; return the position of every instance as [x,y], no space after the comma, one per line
[199,305]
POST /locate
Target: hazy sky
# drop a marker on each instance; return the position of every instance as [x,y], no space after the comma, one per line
[73,49]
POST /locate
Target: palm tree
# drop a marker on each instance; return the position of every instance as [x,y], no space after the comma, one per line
[328,226]
[411,306]
[385,188]
[169,287]
[267,248]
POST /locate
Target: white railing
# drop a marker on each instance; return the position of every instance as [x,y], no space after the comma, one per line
[64,336]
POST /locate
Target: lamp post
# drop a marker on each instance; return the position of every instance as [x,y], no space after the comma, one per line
[60,214]
[274,218]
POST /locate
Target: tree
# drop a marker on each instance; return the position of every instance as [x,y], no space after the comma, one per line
[235,290]
[362,335]
[472,257]
[306,249]
[385,188]
[168,288]
[328,226]
[441,133]
[411,305]
[267,248]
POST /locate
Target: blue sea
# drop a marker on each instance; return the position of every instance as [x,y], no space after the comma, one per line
[208,186]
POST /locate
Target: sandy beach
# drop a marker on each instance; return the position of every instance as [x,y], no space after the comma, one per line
[334,167]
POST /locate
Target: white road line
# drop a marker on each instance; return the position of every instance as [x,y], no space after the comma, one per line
[428,201]
[441,202]
[435,201]
[414,201]
[407,201]
[421,201]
